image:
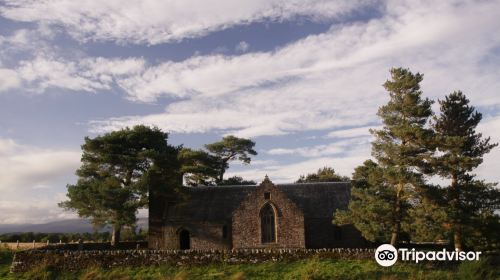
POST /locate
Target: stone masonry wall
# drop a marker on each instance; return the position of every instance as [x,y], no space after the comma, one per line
[77,260]
[246,227]
[203,236]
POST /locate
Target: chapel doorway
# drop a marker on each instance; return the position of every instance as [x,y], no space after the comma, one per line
[184,239]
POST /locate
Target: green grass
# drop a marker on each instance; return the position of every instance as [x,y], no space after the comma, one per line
[306,269]
[5,261]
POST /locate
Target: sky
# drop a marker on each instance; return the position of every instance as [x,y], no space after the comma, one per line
[303,79]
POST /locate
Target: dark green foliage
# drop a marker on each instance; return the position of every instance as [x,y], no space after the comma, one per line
[198,167]
[370,205]
[325,174]
[401,148]
[118,170]
[236,180]
[462,148]
[403,142]
[428,221]
[228,149]
[469,203]
[480,270]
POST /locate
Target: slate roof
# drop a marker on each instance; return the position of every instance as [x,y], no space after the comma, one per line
[318,200]
[216,204]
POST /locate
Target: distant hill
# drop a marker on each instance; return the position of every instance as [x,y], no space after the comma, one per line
[64,226]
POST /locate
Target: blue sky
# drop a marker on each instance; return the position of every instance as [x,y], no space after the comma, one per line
[301,78]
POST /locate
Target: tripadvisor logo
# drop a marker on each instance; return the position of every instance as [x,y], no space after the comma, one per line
[387,255]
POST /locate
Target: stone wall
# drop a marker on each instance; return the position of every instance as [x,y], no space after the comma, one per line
[246,227]
[78,260]
[203,236]
[91,246]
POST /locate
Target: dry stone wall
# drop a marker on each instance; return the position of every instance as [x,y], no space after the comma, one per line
[77,260]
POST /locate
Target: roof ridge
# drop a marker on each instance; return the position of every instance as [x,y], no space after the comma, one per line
[217,187]
[281,184]
[316,183]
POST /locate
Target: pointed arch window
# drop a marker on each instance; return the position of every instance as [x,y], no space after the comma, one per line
[268,224]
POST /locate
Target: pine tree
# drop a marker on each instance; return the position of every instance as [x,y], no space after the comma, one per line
[198,167]
[370,207]
[460,150]
[119,169]
[228,149]
[401,147]
[325,174]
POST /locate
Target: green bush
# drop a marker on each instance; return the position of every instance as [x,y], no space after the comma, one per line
[481,270]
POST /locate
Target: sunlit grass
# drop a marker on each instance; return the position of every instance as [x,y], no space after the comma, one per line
[311,269]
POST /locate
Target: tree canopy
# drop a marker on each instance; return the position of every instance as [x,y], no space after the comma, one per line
[392,195]
[228,149]
[236,180]
[370,207]
[117,170]
[468,202]
[198,167]
[325,174]
[402,145]
[384,191]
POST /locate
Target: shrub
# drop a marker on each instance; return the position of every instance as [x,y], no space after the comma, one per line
[481,269]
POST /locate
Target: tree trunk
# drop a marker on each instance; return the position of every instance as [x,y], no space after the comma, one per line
[221,175]
[457,239]
[115,235]
[222,170]
[457,231]
[394,238]
[396,227]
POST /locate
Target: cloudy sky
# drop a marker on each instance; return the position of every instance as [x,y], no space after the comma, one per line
[301,78]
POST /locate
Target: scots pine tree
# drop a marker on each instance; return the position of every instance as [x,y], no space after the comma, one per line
[469,203]
[119,169]
[228,149]
[325,174]
[198,167]
[403,147]
[370,207]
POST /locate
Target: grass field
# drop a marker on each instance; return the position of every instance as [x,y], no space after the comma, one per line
[306,269]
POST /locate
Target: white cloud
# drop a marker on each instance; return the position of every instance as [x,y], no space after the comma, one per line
[33,210]
[355,146]
[9,79]
[488,170]
[33,181]
[325,81]
[87,74]
[352,132]
[24,166]
[27,43]
[288,173]
[153,22]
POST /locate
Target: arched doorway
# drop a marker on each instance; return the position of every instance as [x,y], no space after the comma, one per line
[184,240]
[268,224]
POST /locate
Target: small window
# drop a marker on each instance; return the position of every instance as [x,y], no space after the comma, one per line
[224,231]
[267,195]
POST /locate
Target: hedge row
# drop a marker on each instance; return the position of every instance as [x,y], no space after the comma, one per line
[77,260]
